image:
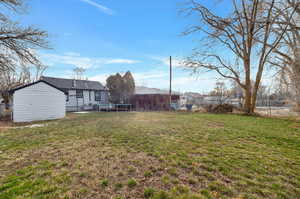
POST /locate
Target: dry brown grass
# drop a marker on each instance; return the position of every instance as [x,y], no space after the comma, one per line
[90,160]
[96,155]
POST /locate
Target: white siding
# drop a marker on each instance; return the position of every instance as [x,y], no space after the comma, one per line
[77,104]
[72,98]
[86,98]
[104,97]
[39,101]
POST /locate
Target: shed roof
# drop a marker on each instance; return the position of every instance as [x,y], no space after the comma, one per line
[27,85]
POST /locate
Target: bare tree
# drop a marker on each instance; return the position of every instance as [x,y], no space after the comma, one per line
[19,63]
[221,93]
[17,43]
[13,78]
[79,73]
[262,95]
[24,74]
[287,55]
[245,36]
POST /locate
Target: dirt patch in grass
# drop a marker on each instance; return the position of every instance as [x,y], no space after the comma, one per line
[5,122]
[71,116]
[296,125]
[215,125]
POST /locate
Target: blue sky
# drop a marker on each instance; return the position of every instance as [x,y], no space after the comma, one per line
[109,36]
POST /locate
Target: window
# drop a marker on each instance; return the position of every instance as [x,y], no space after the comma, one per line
[90,95]
[97,96]
[79,93]
[67,96]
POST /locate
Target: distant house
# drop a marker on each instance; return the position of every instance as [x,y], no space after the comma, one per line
[153,99]
[213,100]
[192,98]
[80,94]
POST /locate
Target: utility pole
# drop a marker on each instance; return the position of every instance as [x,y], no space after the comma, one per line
[170,91]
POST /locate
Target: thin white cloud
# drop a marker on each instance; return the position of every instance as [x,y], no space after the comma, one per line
[121,61]
[102,8]
[180,83]
[160,79]
[141,78]
[176,62]
[100,78]
[75,59]
[62,74]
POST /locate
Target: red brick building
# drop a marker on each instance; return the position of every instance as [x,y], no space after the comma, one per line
[154,102]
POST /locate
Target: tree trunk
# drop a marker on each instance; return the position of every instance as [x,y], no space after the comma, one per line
[255,90]
[295,75]
[296,85]
[247,104]
[248,93]
[253,101]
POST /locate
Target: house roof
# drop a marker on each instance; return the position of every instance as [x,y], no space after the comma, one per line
[27,85]
[142,90]
[74,84]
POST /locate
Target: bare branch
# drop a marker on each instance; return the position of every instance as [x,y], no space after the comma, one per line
[18,44]
[251,27]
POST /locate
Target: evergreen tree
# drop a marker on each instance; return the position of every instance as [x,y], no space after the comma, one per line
[114,84]
[121,88]
[129,87]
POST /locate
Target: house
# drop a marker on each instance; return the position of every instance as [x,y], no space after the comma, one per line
[153,99]
[37,101]
[80,94]
[192,98]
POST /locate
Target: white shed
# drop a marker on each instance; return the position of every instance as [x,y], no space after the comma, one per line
[38,101]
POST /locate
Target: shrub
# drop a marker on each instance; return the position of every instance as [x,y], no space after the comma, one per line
[220,108]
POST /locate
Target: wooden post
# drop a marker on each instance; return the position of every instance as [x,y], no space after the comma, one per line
[170,91]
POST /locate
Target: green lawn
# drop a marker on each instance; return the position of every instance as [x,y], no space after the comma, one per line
[152,155]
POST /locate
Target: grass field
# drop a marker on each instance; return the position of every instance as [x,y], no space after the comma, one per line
[152,155]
